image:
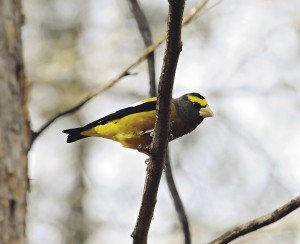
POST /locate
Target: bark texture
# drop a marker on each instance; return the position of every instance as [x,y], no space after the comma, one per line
[14,128]
[160,140]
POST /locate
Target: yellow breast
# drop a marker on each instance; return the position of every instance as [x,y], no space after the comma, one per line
[129,130]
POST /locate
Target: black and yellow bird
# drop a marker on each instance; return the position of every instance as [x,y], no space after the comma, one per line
[133,126]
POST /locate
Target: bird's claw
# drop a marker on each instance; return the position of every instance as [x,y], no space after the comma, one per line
[147,161]
[144,149]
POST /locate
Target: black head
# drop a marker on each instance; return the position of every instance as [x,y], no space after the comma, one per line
[194,107]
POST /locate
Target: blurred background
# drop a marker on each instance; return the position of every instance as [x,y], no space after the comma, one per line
[243,56]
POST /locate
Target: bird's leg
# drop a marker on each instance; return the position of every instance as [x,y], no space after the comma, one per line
[150,132]
[171,137]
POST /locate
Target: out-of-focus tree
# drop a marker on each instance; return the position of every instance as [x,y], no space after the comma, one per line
[14,129]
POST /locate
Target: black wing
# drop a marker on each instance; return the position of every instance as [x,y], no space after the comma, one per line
[74,134]
[146,106]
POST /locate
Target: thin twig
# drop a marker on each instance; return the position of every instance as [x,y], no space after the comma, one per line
[258,223]
[124,73]
[159,144]
[177,201]
[145,32]
[80,104]
[193,12]
[146,35]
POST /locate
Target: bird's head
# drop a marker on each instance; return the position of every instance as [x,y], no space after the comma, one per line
[193,108]
[200,104]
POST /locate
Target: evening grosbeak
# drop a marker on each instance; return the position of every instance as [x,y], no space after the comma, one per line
[133,126]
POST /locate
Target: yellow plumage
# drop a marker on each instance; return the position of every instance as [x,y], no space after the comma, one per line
[128,130]
[133,126]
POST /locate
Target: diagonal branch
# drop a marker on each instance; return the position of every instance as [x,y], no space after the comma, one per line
[159,144]
[258,223]
[145,32]
[79,104]
[177,201]
[193,12]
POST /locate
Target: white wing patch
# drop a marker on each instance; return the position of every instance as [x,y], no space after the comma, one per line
[151,99]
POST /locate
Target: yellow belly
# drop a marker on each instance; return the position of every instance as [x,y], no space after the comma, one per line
[129,130]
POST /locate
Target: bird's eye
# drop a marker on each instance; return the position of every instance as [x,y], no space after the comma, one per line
[196,105]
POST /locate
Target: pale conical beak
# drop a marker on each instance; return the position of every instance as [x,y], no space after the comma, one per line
[206,112]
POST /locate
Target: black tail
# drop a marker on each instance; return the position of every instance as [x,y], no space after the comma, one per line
[74,134]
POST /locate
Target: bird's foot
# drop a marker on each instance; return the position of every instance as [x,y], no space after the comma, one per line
[171,137]
[147,161]
[144,149]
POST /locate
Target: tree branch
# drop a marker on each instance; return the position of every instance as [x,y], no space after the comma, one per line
[145,32]
[258,223]
[159,144]
[124,73]
[146,35]
[177,201]
[79,104]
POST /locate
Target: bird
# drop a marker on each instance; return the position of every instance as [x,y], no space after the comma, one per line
[133,126]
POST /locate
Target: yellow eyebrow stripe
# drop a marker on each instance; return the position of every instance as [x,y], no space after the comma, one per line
[202,102]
